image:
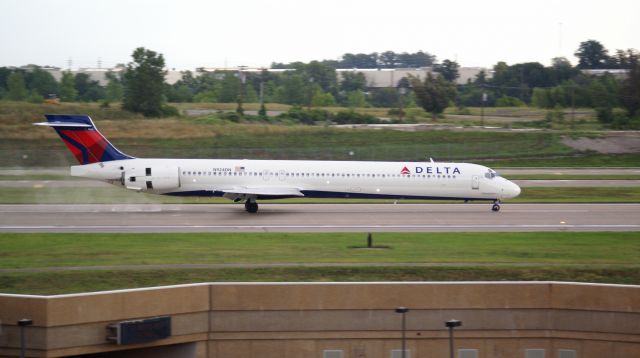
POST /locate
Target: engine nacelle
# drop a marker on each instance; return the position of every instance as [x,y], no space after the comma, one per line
[155,179]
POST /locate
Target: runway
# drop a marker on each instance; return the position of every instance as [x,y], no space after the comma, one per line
[155,218]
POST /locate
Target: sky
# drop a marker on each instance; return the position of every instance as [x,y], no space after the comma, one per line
[219,33]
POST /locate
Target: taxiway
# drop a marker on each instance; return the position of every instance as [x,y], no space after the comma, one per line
[319,218]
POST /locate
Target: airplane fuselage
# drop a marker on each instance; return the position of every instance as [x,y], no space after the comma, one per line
[295,178]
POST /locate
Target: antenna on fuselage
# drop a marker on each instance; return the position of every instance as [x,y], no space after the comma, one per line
[431,160]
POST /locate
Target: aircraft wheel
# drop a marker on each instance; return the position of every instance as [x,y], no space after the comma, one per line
[495,207]
[251,206]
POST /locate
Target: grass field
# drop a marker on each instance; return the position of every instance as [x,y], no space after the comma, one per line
[593,257]
[581,257]
[570,176]
[44,250]
[50,283]
[116,195]
[208,137]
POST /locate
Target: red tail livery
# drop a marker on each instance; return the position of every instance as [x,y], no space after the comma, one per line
[83,139]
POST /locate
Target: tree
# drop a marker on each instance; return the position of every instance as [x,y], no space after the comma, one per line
[360,60]
[114,89]
[68,90]
[4,75]
[561,70]
[41,82]
[591,55]
[143,83]
[88,90]
[385,97]
[323,75]
[293,89]
[229,88]
[353,81]
[449,70]
[434,93]
[17,91]
[387,59]
[322,99]
[356,99]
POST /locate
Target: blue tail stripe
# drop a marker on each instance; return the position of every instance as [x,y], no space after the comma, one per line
[82,148]
[69,118]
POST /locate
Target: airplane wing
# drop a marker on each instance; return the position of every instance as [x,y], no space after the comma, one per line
[241,192]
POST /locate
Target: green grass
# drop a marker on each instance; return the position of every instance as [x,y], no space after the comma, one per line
[207,137]
[115,195]
[254,141]
[582,160]
[54,250]
[89,281]
[578,195]
[587,257]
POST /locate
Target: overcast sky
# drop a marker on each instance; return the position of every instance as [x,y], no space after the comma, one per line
[194,33]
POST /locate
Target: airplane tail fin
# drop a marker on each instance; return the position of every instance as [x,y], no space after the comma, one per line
[83,139]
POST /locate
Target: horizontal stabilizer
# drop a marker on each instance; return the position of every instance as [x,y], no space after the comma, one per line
[63,125]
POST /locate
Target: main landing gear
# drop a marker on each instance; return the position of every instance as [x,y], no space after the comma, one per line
[251,206]
[496,206]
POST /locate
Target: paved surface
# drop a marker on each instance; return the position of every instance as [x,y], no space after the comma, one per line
[319,218]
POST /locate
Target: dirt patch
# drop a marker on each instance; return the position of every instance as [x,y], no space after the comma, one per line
[616,143]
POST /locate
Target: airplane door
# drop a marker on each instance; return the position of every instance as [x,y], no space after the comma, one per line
[281,175]
[475,182]
[266,175]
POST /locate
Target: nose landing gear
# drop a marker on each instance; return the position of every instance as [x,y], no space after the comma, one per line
[496,206]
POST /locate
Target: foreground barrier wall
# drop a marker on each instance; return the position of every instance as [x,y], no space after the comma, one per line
[217,320]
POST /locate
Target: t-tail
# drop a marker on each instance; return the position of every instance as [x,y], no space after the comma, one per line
[83,139]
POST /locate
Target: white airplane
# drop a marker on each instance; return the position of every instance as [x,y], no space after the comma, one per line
[247,181]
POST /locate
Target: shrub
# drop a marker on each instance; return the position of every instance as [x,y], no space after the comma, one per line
[306,116]
[508,101]
[350,117]
[169,111]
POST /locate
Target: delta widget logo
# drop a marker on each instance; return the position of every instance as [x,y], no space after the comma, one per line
[405,171]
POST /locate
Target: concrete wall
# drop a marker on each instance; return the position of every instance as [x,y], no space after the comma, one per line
[305,319]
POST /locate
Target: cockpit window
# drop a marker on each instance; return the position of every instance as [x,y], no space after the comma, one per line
[490,174]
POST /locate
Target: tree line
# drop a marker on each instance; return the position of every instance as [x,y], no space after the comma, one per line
[141,87]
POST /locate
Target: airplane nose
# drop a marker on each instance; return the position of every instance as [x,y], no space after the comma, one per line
[510,189]
[513,190]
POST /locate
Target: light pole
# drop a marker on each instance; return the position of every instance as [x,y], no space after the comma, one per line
[242,78]
[23,323]
[310,93]
[451,324]
[403,311]
[402,91]
[484,102]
